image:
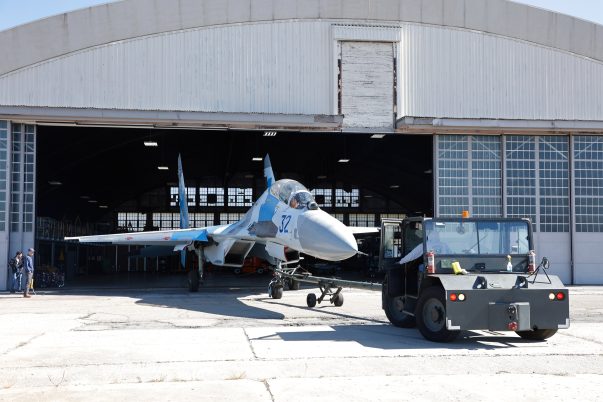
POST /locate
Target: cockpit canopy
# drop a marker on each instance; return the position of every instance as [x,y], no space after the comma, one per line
[293,194]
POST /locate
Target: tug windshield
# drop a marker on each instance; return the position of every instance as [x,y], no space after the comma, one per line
[481,237]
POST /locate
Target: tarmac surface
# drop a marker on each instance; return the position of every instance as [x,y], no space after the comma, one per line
[237,344]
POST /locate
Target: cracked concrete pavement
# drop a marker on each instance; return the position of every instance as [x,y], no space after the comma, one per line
[226,345]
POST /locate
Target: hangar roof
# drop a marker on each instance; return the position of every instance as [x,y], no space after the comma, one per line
[65,33]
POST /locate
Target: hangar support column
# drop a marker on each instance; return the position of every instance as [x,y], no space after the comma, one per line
[17,192]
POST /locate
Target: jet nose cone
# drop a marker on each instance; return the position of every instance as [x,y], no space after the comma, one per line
[324,237]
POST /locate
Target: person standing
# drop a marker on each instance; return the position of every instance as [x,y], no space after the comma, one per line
[16,265]
[29,270]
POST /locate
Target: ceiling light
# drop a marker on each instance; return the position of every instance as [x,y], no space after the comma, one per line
[103,206]
[55,183]
[321,177]
[84,197]
[428,171]
[269,133]
[368,196]
[256,159]
[377,135]
[394,186]
[150,143]
[343,160]
[163,168]
[92,201]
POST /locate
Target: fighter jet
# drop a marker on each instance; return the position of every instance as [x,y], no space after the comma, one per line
[282,223]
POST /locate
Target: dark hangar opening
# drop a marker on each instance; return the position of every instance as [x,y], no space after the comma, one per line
[101,180]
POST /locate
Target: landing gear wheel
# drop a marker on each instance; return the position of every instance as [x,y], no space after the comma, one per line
[237,271]
[338,300]
[293,284]
[260,271]
[537,335]
[193,280]
[277,292]
[431,316]
[311,300]
[394,307]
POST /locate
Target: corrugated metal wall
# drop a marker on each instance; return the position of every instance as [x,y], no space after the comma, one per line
[289,67]
[256,68]
[367,84]
[466,74]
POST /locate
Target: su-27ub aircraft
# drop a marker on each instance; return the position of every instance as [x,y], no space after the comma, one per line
[284,222]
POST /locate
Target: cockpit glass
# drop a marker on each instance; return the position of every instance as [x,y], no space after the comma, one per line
[292,192]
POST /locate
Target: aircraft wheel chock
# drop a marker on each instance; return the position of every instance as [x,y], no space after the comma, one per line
[311,300]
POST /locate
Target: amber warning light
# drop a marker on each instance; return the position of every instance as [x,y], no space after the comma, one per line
[465,214]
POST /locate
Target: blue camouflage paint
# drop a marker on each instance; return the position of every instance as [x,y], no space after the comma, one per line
[198,235]
[268,208]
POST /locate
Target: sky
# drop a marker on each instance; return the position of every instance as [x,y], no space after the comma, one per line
[17,12]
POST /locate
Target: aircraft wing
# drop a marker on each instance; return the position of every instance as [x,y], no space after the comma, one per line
[361,230]
[176,238]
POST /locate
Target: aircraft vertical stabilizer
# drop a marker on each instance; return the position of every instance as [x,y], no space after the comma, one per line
[182,199]
[268,173]
[183,202]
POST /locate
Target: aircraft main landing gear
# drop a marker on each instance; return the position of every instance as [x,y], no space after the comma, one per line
[336,297]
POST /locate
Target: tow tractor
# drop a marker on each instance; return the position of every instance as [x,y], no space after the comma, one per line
[448,275]
[445,275]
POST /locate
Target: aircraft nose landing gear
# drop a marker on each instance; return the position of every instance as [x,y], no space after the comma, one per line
[336,297]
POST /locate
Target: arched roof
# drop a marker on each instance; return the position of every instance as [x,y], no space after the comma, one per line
[66,33]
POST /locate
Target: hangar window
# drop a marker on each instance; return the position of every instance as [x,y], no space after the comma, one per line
[3,160]
[588,171]
[323,197]
[553,172]
[362,220]
[345,199]
[201,219]
[393,216]
[240,197]
[191,195]
[131,221]
[166,220]
[453,174]
[211,196]
[486,176]
[231,217]
[520,173]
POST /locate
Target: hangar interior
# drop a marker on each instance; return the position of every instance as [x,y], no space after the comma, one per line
[94,180]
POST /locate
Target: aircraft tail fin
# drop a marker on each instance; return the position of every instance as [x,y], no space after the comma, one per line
[183,202]
[268,173]
[182,199]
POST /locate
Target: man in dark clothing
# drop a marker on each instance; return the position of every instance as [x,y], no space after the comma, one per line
[29,270]
[16,265]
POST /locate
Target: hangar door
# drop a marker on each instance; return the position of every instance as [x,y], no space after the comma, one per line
[367,84]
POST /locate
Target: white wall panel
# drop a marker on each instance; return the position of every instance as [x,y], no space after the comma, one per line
[367,76]
[556,247]
[456,73]
[588,257]
[288,67]
[257,68]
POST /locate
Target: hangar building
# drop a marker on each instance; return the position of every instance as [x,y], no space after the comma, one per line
[383,108]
